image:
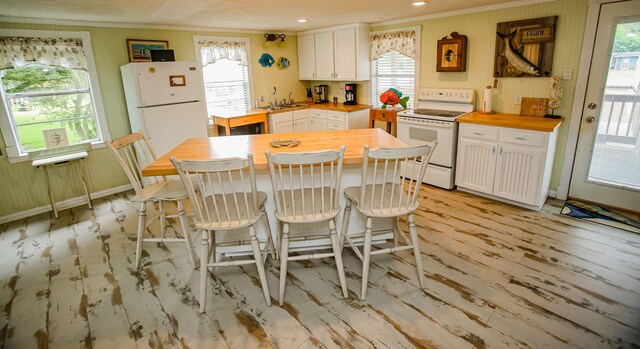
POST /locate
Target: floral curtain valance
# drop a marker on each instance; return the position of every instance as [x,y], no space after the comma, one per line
[401,41]
[57,52]
[211,51]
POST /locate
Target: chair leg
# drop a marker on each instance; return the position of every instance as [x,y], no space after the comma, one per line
[204,250]
[367,257]
[268,232]
[212,246]
[416,249]
[163,220]
[284,256]
[395,232]
[257,254]
[186,231]
[338,256]
[345,223]
[142,219]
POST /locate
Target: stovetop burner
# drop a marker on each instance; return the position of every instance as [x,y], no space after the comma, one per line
[436,112]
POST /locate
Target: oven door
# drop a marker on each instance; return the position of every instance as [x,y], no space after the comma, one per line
[415,131]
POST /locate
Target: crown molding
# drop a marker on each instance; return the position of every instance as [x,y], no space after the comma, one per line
[132,25]
[460,12]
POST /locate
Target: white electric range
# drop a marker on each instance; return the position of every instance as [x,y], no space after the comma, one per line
[434,118]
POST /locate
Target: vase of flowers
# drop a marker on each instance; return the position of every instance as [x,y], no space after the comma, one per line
[393,97]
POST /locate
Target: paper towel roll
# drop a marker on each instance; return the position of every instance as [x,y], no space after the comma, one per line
[486,103]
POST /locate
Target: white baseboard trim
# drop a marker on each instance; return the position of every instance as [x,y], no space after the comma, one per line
[63,205]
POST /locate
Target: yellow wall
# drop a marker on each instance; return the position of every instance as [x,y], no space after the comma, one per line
[480,28]
[22,187]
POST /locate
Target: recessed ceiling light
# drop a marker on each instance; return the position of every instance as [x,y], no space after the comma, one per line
[302,20]
[419,3]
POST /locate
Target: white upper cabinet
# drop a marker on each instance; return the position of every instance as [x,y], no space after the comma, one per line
[307,56]
[345,55]
[338,53]
[324,56]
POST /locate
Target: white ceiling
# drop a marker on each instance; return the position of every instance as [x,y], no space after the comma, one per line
[275,15]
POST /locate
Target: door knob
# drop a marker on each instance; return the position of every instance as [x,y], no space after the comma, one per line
[589,119]
[592,106]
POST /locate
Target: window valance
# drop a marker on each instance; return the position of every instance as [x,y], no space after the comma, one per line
[211,51]
[57,52]
[403,41]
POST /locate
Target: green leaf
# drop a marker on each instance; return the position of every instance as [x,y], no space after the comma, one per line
[403,102]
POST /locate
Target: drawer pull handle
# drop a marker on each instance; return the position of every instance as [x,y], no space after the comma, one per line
[520,138]
[500,151]
[478,134]
[493,150]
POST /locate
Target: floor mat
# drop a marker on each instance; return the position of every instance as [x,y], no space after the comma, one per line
[596,214]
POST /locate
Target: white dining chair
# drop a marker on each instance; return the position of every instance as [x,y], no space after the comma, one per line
[134,152]
[306,190]
[226,199]
[387,191]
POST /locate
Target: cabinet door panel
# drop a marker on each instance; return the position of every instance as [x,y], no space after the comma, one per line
[301,125]
[324,55]
[518,173]
[318,124]
[306,57]
[345,55]
[282,127]
[476,165]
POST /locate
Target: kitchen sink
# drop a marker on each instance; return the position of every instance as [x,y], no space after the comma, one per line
[280,107]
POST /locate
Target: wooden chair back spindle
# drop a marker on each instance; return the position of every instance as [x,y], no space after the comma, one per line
[305,186]
[226,195]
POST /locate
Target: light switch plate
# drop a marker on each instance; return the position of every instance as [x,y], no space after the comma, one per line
[517,99]
[567,74]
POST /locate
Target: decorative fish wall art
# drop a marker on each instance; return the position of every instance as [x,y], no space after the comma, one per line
[525,48]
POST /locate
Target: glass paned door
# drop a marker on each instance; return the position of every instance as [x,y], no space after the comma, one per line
[606,168]
[615,158]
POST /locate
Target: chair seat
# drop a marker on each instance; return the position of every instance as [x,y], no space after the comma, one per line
[233,221]
[353,194]
[296,214]
[170,189]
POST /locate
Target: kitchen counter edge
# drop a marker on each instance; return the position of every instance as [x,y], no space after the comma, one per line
[534,123]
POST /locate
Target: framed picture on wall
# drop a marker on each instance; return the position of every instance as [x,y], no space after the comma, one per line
[140,50]
[452,53]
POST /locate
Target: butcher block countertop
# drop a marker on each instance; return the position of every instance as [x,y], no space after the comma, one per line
[534,123]
[324,106]
[240,146]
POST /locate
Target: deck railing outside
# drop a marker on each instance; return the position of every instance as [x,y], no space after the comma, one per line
[619,119]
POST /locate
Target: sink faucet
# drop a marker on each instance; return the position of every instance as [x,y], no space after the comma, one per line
[275,95]
[290,100]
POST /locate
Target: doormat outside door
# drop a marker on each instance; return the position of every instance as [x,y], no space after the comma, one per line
[596,214]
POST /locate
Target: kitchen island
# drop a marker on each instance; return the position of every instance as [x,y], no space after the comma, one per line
[240,146]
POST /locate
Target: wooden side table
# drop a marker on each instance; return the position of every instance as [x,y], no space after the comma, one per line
[63,159]
[240,119]
[390,116]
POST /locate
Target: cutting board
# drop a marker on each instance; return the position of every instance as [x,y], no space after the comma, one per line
[534,106]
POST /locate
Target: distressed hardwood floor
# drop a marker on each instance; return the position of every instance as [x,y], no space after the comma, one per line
[497,276]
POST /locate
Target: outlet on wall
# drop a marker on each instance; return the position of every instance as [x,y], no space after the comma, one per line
[517,99]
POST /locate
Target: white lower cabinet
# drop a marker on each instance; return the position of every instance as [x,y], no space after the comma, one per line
[318,120]
[508,164]
[290,121]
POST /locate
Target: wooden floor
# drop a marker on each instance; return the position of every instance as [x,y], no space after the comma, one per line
[497,276]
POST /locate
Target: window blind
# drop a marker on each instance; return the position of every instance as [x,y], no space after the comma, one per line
[226,85]
[393,70]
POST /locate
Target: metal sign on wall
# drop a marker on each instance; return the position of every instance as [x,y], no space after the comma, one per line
[525,48]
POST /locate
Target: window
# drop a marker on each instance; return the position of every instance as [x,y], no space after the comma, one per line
[391,68]
[225,70]
[48,81]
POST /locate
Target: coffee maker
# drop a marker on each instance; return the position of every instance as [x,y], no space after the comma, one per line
[350,94]
[321,91]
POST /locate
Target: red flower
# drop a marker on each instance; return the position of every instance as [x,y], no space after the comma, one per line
[389,97]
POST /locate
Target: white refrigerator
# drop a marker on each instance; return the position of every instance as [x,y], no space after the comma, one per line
[166,101]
